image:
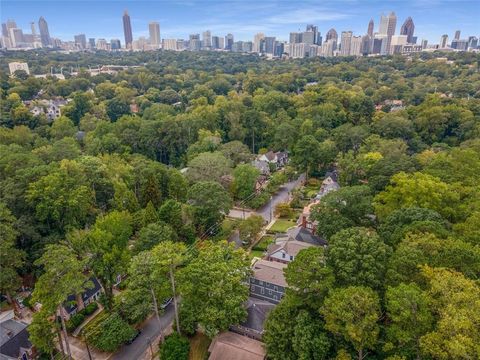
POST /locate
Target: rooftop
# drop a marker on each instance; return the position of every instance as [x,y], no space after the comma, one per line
[232,346]
[13,338]
[270,271]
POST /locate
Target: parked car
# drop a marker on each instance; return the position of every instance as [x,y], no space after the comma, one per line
[166,303]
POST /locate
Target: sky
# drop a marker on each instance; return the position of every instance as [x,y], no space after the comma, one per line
[178,19]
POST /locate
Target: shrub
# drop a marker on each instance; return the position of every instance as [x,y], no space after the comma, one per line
[175,347]
[75,321]
[109,332]
[90,309]
[283,210]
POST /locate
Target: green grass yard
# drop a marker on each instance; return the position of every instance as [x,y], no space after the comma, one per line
[281,226]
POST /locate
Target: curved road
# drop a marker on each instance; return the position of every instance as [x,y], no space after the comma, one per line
[150,332]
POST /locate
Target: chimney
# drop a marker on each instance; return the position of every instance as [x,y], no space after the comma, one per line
[304,222]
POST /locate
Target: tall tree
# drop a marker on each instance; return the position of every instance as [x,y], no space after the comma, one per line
[63,276]
[353,313]
[213,287]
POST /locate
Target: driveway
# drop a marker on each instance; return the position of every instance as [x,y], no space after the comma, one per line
[150,333]
[282,195]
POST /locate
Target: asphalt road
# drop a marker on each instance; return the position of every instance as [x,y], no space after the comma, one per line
[266,211]
[150,331]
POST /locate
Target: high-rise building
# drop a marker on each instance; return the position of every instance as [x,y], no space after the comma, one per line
[221,42]
[229,42]
[207,40]
[473,42]
[4,30]
[308,37]
[388,25]
[367,44]
[295,38]
[127,30]
[397,43]
[101,44]
[424,43]
[91,43]
[443,41]
[457,35]
[460,44]
[270,45]
[169,44]
[11,24]
[115,44]
[194,42]
[408,28]
[215,42]
[16,37]
[356,46]
[257,40]
[316,35]
[279,48]
[346,43]
[81,41]
[154,32]
[44,33]
[34,30]
[331,35]
[370,28]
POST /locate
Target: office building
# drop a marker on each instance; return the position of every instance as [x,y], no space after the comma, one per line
[443,41]
[15,66]
[269,45]
[473,42]
[308,37]
[44,33]
[317,39]
[460,44]
[207,40]
[295,38]
[370,28]
[194,42]
[115,44]
[215,42]
[379,44]
[229,42]
[356,46]
[169,44]
[257,41]
[91,43]
[397,43]
[408,28]
[154,32]
[127,30]
[297,50]
[331,34]
[221,42]
[424,43]
[279,48]
[388,25]
[457,35]
[346,43]
[16,37]
[101,44]
[81,41]
[367,44]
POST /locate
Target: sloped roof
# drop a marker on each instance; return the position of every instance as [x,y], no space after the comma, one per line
[87,294]
[290,246]
[257,311]
[301,234]
[13,338]
[270,271]
[232,346]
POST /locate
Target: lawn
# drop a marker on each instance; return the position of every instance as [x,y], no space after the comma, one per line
[199,347]
[263,243]
[281,226]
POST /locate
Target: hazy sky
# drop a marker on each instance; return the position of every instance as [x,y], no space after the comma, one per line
[103,18]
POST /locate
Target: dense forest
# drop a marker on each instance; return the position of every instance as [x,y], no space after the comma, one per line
[99,192]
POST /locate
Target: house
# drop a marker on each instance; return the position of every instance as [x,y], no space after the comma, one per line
[286,250]
[71,307]
[262,166]
[14,342]
[257,312]
[277,159]
[301,234]
[51,108]
[231,346]
[268,282]
[304,218]
[329,183]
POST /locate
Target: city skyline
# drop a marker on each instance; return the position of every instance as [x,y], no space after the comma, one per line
[279,23]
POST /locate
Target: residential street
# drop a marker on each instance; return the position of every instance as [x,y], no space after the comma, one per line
[150,332]
[266,211]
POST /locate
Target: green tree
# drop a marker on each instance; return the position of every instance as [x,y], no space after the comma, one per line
[251,227]
[353,313]
[11,258]
[175,347]
[310,340]
[245,179]
[63,276]
[210,202]
[117,107]
[309,277]
[208,166]
[41,332]
[306,155]
[62,127]
[213,287]
[357,256]
[408,309]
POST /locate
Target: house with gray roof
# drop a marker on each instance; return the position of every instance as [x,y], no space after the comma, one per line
[267,281]
[14,342]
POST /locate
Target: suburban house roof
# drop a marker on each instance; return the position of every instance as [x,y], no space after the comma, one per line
[87,294]
[257,311]
[13,338]
[271,156]
[261,165]
[232,346]
[270,271]
[299,233]
[332,174]
[290,246]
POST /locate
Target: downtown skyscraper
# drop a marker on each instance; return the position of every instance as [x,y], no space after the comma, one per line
[44,33]
[127,30]
[154,32]
[408,28]
[388,25]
